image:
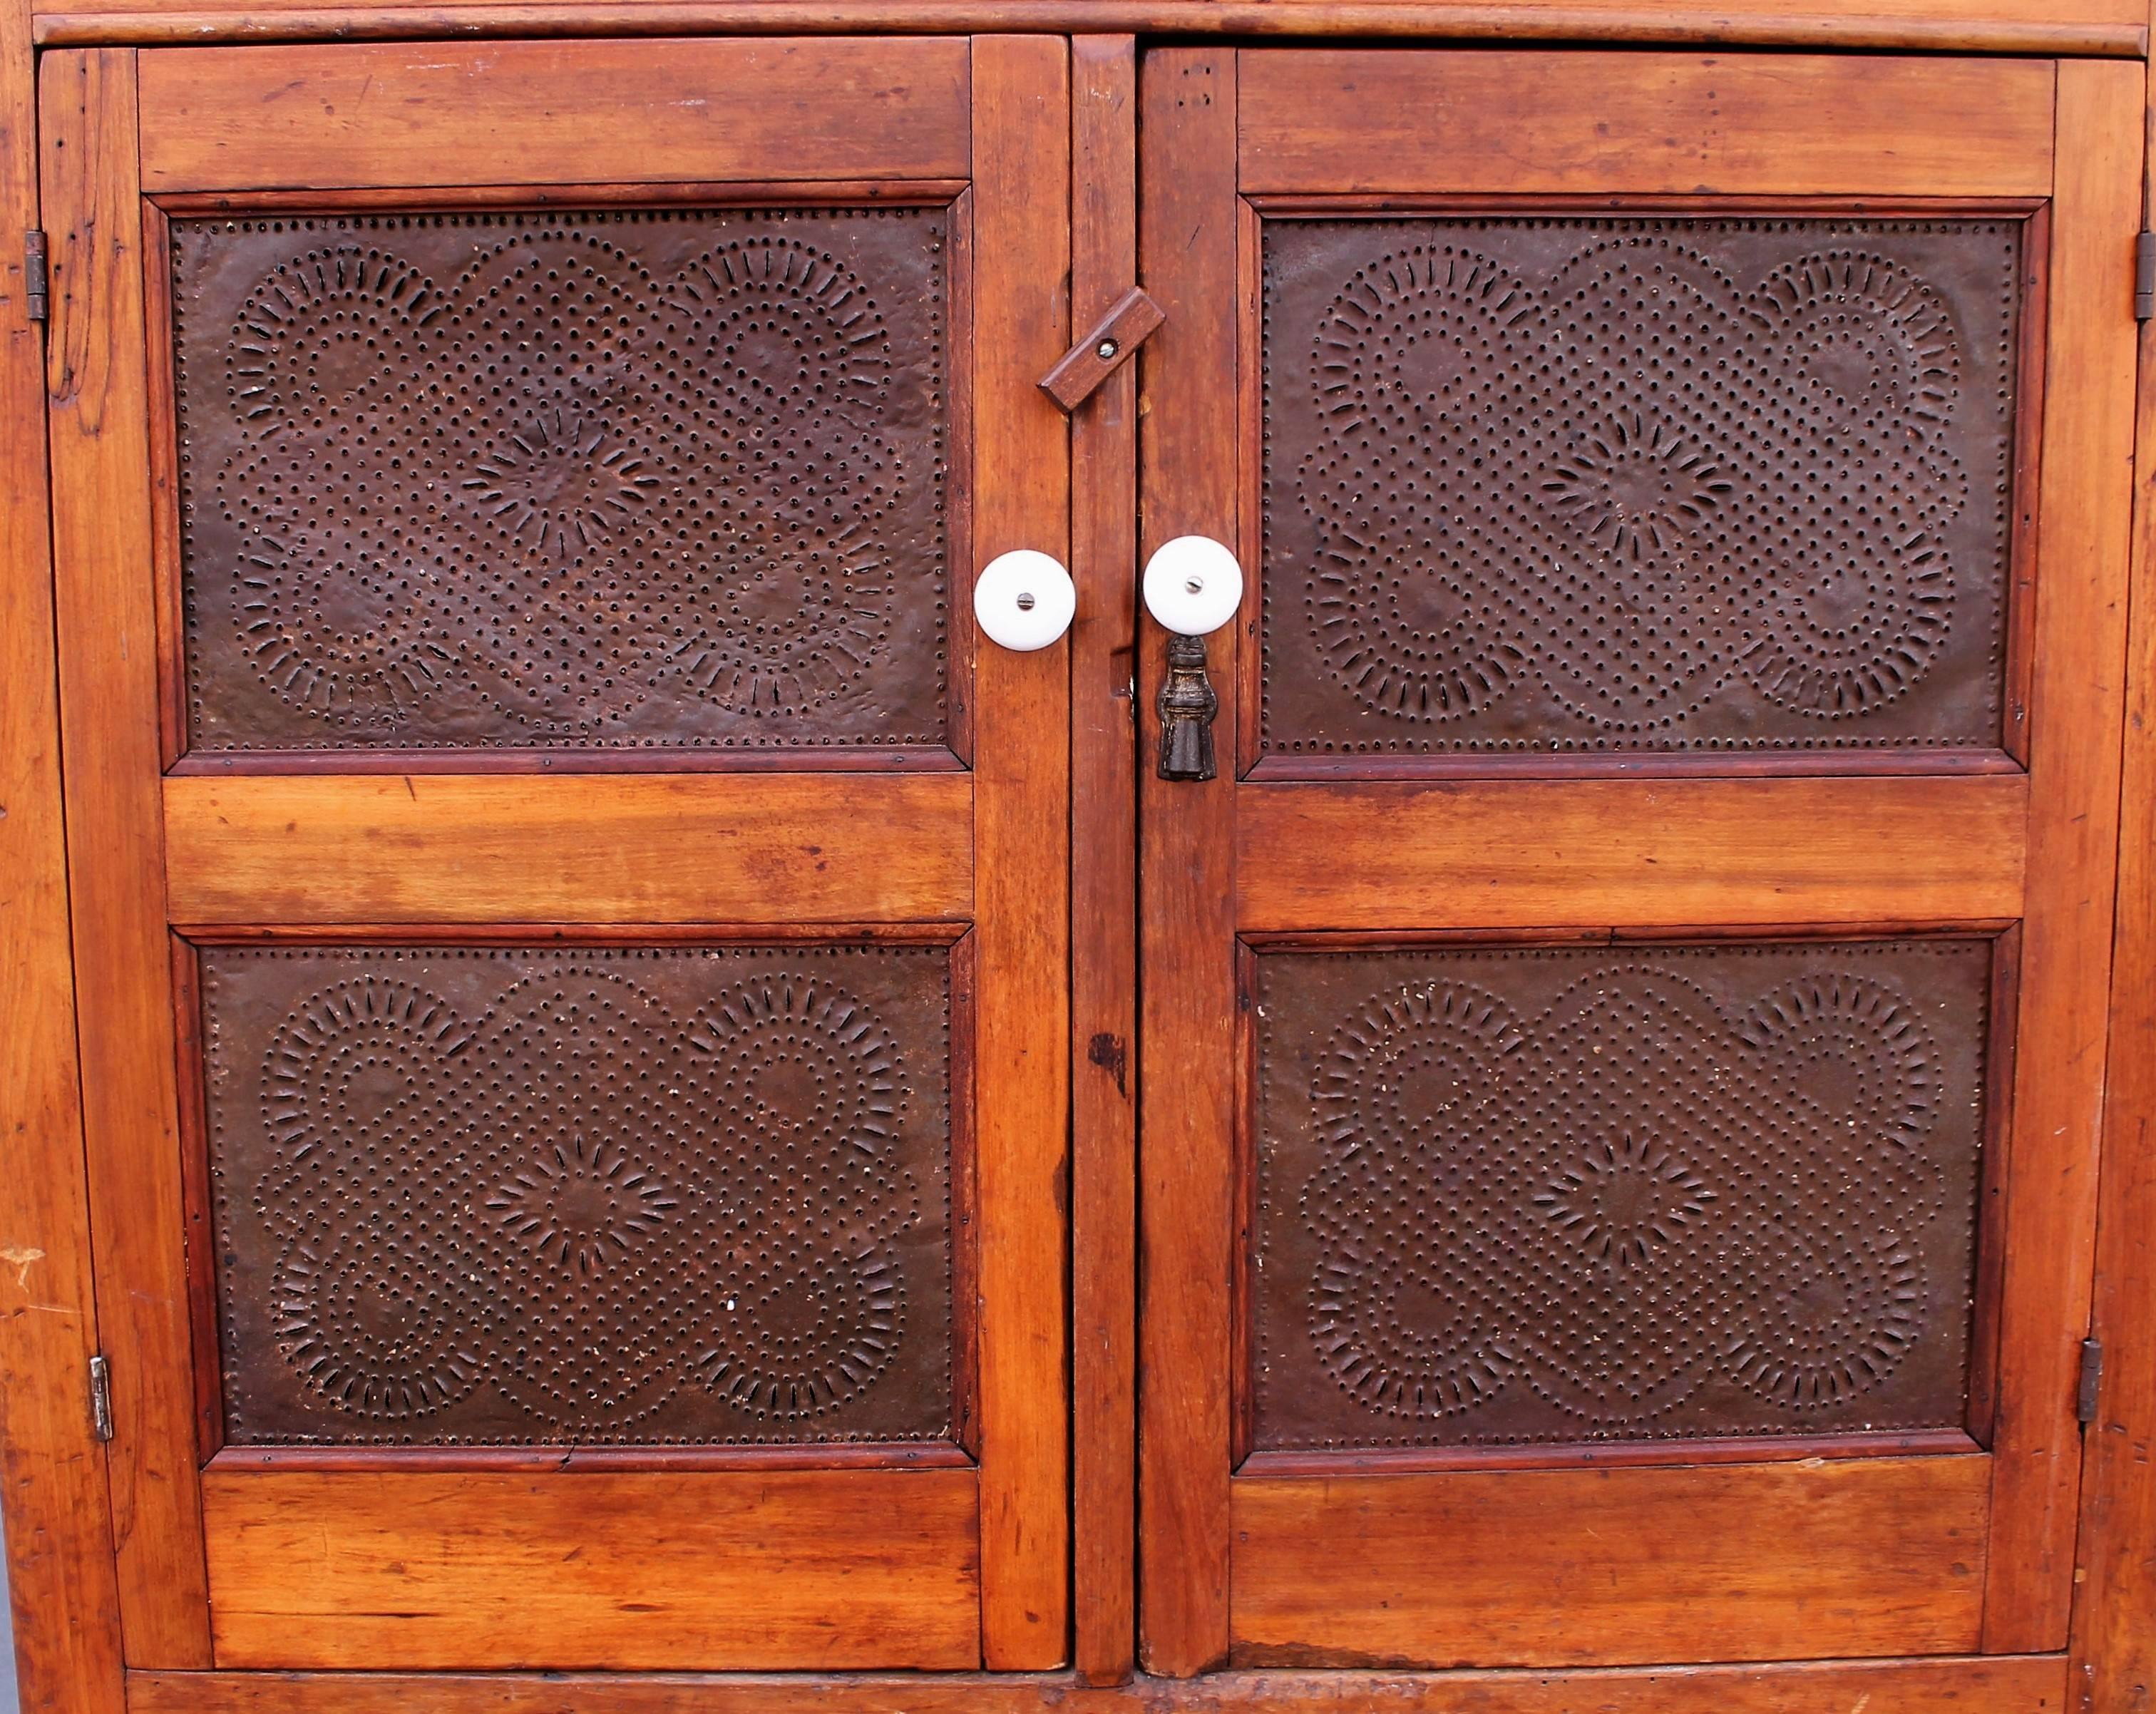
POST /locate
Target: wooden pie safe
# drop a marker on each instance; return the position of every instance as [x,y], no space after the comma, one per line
[659,1110]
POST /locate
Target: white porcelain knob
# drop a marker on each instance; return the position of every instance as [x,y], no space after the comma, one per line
[1192,585]
[1025,600]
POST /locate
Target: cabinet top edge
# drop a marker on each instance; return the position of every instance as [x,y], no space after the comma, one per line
[2096,27]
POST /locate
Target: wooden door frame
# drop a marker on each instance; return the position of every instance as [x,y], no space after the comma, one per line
[58,1508]
[1225,129]
[989,109]
[2114,1640]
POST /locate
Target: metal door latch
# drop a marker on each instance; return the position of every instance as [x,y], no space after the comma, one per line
[1188,703]
[1193,587]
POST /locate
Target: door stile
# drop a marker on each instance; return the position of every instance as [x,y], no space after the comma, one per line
[108,651]
[1104,1049]
[52,1469]
[1021,773]
[2080,654]
[1187,248]
[2114,1628]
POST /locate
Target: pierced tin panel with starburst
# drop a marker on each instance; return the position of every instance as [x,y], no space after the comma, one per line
[1570,484]
[594,1196]
[630,479]
[1519,1195]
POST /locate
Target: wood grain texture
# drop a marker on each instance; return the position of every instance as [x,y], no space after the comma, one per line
[484,1569]
[1336,120]
[2085,27]
[2114,1618]
[314,117]
[1553,1568]
[109,711]
[1187,485]
[1021,763]
[588,848]
[2077,707]
[1125,326]
[1104,881]
[2020,1684]
[1625,853]
[53,1493]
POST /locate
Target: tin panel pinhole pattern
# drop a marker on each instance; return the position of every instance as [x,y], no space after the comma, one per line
[643,478]
[1636,485]
[599,1196]
[1518,1195]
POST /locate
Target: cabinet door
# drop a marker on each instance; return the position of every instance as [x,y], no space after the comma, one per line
[1623,1028]
[571,920]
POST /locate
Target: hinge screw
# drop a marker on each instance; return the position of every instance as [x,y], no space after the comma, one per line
[1106,349]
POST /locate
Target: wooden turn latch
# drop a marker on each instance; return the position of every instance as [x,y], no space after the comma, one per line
[1079,372]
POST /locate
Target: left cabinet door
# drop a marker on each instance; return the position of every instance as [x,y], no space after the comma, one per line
[570,922]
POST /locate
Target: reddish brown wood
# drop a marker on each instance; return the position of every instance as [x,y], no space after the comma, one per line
[1104,1060]
[2114,1618]
[311,118]
[1250,542]
[2028,480]
[1384,852]
[964,642]
[1987,1310]
[966,1192]
[718,193]
[1717,1563]
[1335,121]
[164,482]
[199,1196]
[1243,1353]
[1940,763]
[1187,249]
[1021,499]
[1606,1455]
[2076,709]
[1597,852]
[611,1460]
[1103,348]
[911,758]
[497,1569]
[2015,1685]
[1964,26]
[624,848]
[614,859]
[585,934]
[109,701]
[52,1491]
[1853,206]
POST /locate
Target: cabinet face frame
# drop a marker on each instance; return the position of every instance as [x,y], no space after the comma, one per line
[1230,136]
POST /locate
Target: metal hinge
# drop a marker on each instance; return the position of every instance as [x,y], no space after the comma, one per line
[2144,277]
[2091,1380]
[100,1399]
[37,277]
